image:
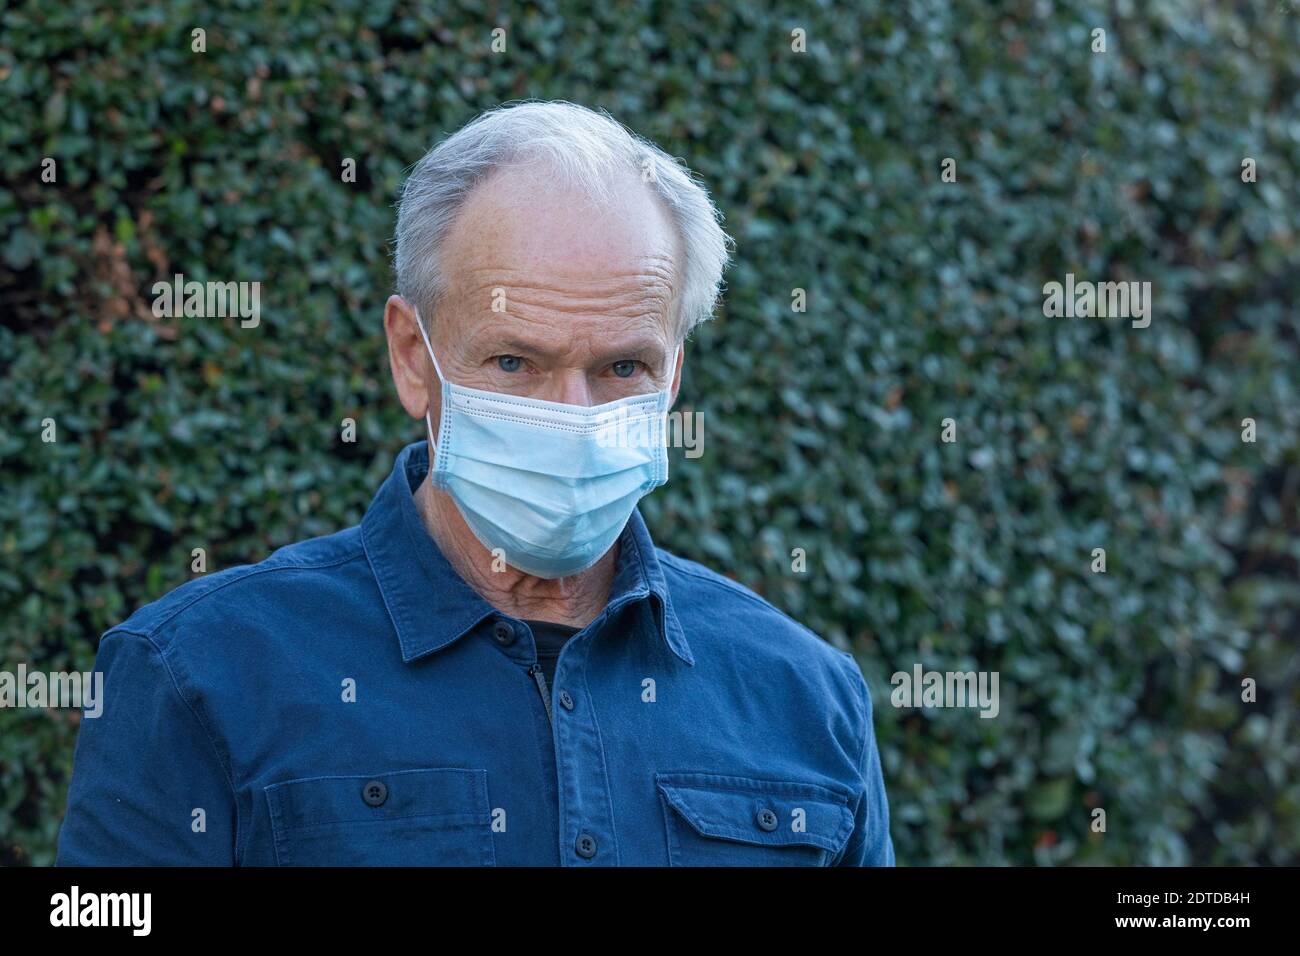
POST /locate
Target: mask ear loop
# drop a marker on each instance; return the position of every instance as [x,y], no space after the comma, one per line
[428,421]
[681,347]
[662,463]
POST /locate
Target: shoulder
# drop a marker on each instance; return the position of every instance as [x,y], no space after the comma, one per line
[296,572]
[715,608]
[700,588]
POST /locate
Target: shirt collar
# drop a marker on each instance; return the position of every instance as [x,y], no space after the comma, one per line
[431,606]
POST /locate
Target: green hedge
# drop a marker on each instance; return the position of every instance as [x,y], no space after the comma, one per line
[1120,690]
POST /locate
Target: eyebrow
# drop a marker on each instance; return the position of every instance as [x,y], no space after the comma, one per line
[642,347]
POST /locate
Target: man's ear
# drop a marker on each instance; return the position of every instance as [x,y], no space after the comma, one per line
[407,357]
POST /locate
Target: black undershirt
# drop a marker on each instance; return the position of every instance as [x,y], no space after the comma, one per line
[549,638]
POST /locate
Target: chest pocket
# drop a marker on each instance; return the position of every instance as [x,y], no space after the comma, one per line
[434,817]
[717,820]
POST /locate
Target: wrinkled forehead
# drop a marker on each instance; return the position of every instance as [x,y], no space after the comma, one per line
[524,232]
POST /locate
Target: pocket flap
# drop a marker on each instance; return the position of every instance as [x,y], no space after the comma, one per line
[760,812]
[452,795]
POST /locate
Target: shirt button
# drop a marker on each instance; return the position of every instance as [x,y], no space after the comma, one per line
[586,846]
[767,819]
[565,700]
[503,633]
[374,793]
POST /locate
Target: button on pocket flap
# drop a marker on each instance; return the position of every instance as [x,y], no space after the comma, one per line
[452,795]
[760,812]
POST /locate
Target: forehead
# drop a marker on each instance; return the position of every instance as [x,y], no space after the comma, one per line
[521,228]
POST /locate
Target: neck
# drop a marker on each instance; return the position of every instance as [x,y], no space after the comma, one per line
[574,600]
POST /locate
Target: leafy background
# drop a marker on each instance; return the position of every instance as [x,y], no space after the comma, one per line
[1119,690]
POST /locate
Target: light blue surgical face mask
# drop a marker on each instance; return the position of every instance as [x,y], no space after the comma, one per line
[550,484]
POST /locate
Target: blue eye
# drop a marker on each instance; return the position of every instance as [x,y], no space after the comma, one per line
[509,363]
[625,368]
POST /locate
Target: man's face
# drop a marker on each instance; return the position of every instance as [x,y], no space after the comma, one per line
[583,295]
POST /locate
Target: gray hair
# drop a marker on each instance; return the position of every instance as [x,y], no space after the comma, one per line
[585,149]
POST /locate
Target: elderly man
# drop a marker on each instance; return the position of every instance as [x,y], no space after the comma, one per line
[497,666]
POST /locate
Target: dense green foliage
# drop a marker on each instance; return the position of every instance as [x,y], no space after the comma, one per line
[1120,690]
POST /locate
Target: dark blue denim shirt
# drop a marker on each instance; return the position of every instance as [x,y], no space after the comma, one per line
[351,700]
